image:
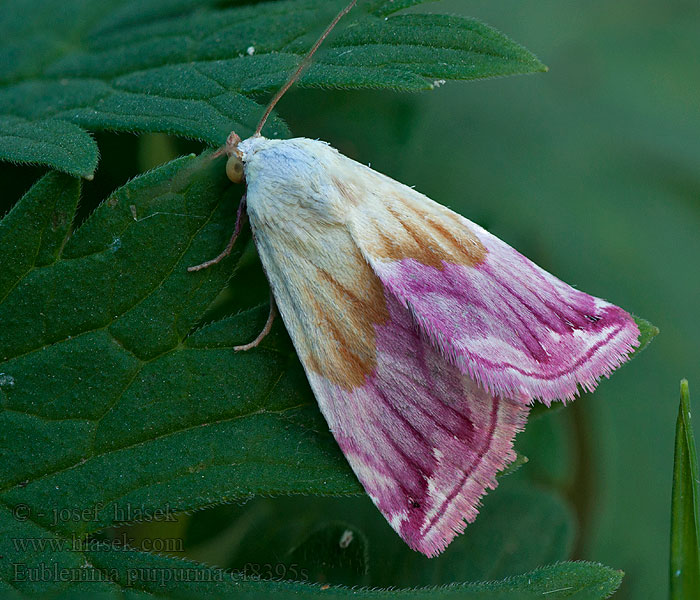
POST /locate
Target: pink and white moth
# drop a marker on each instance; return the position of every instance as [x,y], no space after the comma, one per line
[425,338]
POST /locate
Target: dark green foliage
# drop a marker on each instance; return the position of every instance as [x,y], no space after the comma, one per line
[198,70]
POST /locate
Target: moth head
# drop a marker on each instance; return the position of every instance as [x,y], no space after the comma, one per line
[234,164]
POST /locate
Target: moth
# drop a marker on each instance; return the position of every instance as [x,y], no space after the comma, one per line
[425,339]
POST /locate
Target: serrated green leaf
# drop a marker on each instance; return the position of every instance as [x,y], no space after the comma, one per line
[105,377]
[196,69]
[579,580]
[684,576]
[71,569]
[55,142]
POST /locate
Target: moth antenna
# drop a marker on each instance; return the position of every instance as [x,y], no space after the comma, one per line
[304,63]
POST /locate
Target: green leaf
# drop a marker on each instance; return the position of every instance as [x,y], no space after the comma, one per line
[647,332]
[106,376]
[685,512]
[78,568]
[54,142]
[198,70]
[565,580]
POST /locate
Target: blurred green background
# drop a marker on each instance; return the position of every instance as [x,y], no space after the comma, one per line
[593,171]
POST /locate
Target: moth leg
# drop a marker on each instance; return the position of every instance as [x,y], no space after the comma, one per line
[240,219]
[266,329]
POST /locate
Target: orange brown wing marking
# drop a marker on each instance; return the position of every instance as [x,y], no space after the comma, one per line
[346,352]
[428,238]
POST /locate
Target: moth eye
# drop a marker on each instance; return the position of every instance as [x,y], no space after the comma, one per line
[234,169]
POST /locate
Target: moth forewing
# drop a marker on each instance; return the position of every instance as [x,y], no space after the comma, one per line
[424,338]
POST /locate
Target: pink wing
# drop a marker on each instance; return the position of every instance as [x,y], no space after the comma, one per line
[504,321]
[425,440]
